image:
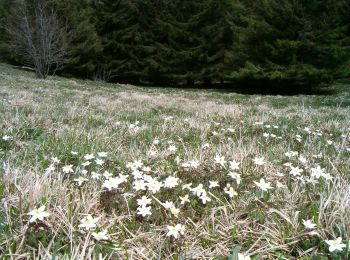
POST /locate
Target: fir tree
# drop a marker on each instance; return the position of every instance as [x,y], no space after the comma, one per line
[292,42]
[162,42]
[217,25]
[124,29]
[85,48]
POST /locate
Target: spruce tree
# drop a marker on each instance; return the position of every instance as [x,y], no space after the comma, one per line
[85,48]
[178,41]
[217,26]
[292,42]
[124,29]
[258,42]
[5,18]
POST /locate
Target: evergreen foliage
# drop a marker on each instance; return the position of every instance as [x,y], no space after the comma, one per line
[294,42]
[5,6]
[85,48]
[263,43]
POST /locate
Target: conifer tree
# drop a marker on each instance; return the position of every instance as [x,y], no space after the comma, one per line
[5,53]
[124,29]
[178,41]
[163,42]
[85,48]
[217,25]
[292,42]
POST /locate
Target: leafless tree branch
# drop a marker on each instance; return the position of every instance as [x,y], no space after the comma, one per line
[38,37]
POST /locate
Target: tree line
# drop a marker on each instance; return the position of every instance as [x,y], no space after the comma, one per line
[179,42]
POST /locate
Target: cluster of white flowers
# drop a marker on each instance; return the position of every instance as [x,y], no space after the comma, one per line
[89,223]
[144,180]
[6,138]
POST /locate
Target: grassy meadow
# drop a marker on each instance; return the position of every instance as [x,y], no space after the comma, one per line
[91,170]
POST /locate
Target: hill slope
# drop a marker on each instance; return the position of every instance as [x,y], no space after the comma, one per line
[81,147]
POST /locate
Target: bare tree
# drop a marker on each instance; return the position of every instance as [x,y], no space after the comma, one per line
[37,37]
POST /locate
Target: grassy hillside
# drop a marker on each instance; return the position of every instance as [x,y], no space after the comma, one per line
[83,148]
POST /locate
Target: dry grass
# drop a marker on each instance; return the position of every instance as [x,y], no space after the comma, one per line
[54,117]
